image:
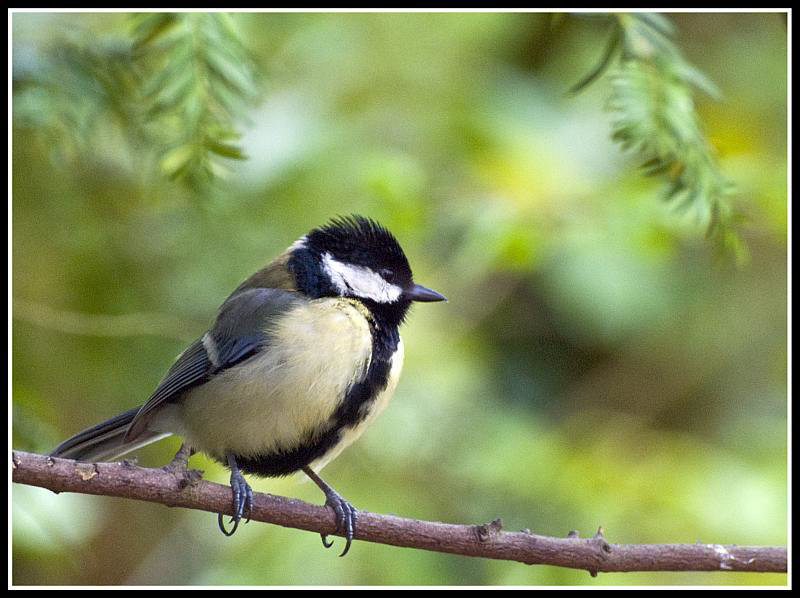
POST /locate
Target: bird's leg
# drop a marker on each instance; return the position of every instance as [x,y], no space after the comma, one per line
[242,497]
[346,514]
[180,462]
[179,467]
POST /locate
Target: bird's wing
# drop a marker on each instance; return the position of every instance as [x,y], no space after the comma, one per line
[239,332]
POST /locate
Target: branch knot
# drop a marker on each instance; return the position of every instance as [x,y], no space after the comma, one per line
[488,531]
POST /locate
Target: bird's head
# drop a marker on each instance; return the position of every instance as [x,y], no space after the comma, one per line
[358,258]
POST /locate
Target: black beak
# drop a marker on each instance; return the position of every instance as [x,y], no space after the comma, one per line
[420,293]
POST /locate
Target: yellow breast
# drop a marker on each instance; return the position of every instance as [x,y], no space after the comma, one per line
[290,389]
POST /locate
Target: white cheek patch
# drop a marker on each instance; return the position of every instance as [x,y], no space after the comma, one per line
[359,281]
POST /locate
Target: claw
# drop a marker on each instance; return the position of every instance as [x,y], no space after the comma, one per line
[242,499]
[345,513]
[346,516]
[221,523]
[325,542]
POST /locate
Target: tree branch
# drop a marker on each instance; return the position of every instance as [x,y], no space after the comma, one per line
[175,487]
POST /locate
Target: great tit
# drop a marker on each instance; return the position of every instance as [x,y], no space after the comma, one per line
[302,356]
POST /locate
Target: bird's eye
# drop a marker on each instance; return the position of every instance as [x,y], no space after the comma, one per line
[387,274]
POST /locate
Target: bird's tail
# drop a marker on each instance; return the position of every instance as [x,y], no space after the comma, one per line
[105,441]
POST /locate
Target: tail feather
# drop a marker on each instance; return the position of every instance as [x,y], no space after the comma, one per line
[105,441]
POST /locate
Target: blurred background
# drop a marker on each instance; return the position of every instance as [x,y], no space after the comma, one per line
[597,362]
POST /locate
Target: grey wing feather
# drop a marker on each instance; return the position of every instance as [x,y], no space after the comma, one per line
[190,369]
[239,333]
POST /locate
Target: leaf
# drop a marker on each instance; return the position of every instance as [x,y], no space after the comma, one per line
[697,78]
[658,22]
[151,27]
[611,48]
[177,158]
[225,149]
[657,166]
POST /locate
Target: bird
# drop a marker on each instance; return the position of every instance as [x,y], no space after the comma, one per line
[301,357]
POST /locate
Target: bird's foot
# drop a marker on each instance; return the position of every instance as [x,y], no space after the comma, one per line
[346,516]
[242,501]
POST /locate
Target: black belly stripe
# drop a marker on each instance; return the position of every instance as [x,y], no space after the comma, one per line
[285,462]
[356,405]
[353,410]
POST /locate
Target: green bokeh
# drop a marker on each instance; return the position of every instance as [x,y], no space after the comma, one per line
[594,365]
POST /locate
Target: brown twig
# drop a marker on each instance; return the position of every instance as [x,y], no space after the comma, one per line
[178,488]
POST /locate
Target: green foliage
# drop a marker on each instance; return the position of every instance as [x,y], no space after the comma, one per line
[176,84]
[654,117]
[73,89]
[197,81]
[175,87]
